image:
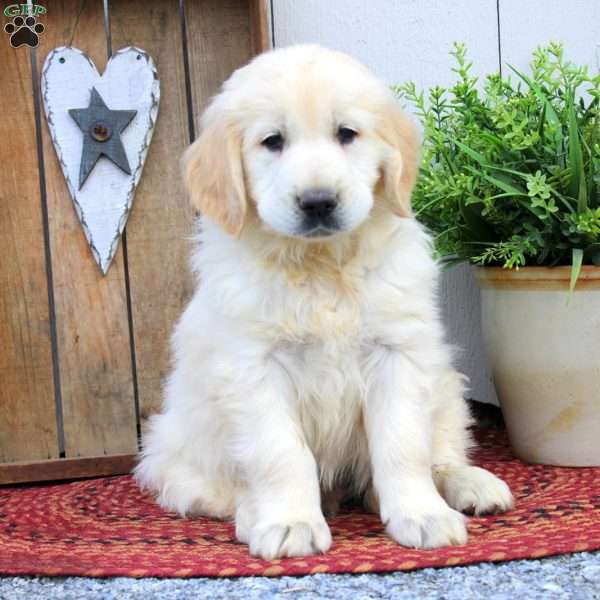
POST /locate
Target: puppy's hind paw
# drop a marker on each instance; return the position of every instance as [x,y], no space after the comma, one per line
[300,538]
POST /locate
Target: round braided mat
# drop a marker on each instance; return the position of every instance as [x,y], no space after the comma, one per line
[106,527]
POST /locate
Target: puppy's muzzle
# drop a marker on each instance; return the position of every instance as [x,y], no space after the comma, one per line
[318,209]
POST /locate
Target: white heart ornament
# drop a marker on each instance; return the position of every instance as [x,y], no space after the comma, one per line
[129,82]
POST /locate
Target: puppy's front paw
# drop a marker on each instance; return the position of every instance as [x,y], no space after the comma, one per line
[292,538]
[473,490]
[428,529]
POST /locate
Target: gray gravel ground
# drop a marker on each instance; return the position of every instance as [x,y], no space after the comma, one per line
[575,576]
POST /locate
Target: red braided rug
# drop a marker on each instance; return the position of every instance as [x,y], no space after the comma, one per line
[107,527]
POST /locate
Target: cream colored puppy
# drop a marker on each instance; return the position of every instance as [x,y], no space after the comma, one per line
[311,358]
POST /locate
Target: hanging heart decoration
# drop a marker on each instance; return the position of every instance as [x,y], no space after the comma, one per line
[101,127]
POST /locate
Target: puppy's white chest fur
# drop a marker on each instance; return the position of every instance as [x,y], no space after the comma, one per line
[323,320]
[321,353]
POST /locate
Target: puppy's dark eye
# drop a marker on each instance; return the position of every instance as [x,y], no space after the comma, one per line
[273,142]
[345,135]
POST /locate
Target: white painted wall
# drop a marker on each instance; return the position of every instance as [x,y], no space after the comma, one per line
[525,25]
[410,40]
[402,40]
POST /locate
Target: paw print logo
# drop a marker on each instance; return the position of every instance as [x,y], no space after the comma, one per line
[24,31]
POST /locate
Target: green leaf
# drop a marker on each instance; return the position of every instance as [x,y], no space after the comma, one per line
[448,160]
[590,112]
[542,122]
[480,158]
[426,206]
[492,139]
[563,200]
[537,90]
[524,176]
[578,185]
[446,232]
[503,195]
[506,185]
[575,267]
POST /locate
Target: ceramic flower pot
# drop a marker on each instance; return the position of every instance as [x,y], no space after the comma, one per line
[544,348]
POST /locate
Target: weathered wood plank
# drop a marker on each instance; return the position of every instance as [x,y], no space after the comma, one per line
[219,41]
[91,310]
[67,468]
[260,32]
[161,220]
[157,247]
[27,409]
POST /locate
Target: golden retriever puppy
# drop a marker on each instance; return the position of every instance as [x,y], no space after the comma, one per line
[311,358]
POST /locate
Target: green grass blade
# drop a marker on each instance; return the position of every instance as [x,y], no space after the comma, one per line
[564,201]
[520,174]
[590,111]
[482,160]
[425,206]
[476,156]
[446,232]
[492,139]
[575,268]
[505,185]
[503,195]
[542,122]
[577,187]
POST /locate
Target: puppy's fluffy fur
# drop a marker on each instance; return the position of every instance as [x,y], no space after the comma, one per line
[311,363]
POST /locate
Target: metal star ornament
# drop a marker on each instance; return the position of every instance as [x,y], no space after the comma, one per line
[101,129]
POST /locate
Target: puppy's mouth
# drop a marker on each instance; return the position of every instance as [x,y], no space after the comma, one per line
[319,232]
[321,228]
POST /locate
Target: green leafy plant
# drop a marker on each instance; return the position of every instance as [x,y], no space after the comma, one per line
[511,174]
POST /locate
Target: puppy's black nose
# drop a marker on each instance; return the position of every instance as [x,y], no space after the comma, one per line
[317,202]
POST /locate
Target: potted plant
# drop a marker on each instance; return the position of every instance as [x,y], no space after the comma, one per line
[510,181]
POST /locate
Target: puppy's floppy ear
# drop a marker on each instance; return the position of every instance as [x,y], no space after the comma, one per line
[213,172]
[401,165]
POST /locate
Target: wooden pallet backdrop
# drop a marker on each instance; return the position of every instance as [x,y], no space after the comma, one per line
[82,356]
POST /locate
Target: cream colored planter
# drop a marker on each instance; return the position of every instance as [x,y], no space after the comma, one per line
[545,356]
